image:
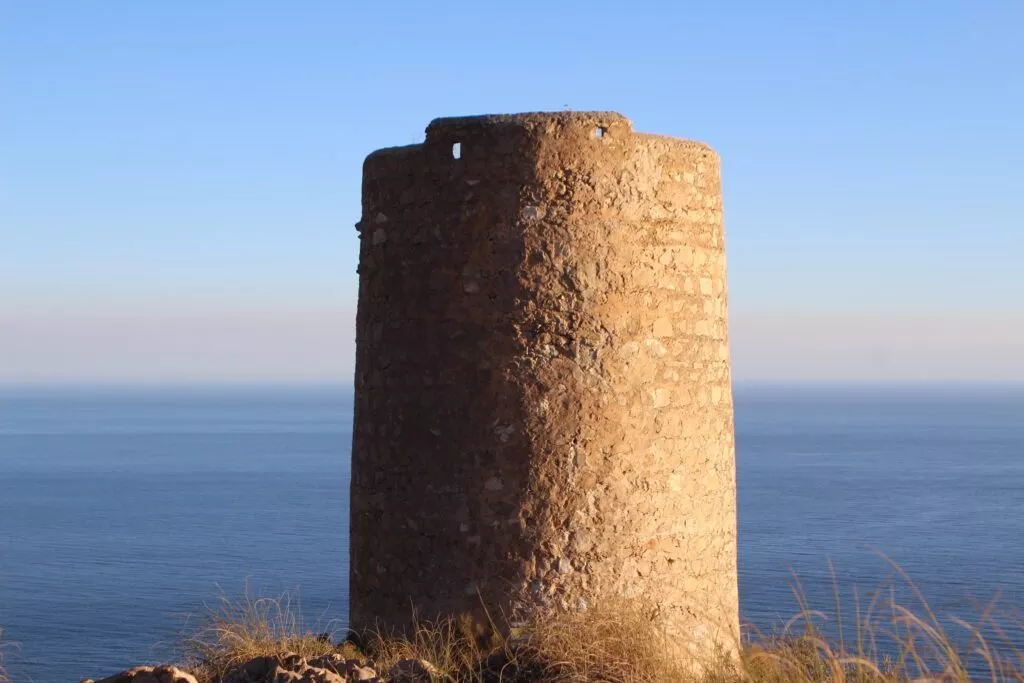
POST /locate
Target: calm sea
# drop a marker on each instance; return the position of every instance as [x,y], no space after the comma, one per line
[122,512]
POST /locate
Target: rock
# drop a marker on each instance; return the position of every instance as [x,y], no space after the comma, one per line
[287,667]
[324,676]
[172,674]
[362,673]
[282,675]
[291,668]
[257,669]
[354,669]
[150,674]
[350,669]
[291,661]
[332,662]
[412,671]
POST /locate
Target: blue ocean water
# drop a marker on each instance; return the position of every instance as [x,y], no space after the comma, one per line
[122,512]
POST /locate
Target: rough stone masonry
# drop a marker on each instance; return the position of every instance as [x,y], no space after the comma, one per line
[543,412]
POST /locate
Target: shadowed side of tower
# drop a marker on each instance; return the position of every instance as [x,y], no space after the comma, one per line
[543,410]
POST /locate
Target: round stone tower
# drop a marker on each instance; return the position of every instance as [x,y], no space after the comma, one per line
[543,413]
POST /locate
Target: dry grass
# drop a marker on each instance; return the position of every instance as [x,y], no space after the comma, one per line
[3,671]
[891,643]
[233,632]
[460,649]
[618,642]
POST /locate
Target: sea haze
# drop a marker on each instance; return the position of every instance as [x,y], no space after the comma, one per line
[124,511]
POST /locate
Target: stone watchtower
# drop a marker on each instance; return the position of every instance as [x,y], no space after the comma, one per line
[543,413]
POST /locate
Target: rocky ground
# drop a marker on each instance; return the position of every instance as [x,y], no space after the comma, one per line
[287,668]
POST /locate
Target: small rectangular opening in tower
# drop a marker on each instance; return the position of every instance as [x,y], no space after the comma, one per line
[457,150]
[600,131]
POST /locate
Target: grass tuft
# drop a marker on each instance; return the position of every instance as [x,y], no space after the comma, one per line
[619,642]
[458,649]
[235,631]
[3,672]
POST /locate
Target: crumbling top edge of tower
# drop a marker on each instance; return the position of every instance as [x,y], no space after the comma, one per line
[604,119]
[448,129]
[453,129]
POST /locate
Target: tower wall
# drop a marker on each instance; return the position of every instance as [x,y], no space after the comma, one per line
[543,409]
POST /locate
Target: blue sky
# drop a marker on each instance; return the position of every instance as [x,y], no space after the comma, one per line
[190,170]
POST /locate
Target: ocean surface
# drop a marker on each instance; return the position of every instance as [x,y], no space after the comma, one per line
[124,512]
